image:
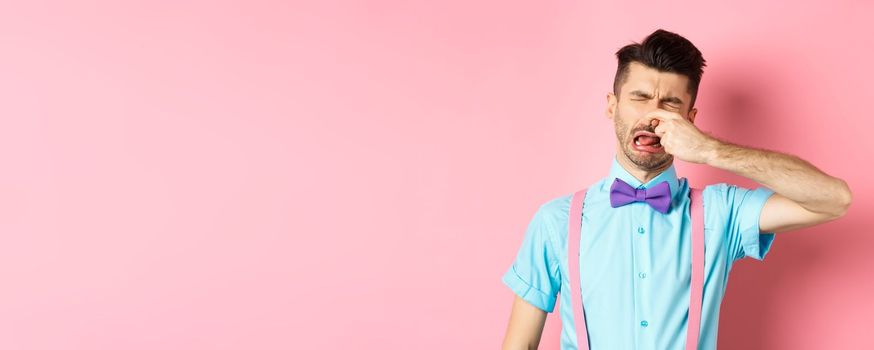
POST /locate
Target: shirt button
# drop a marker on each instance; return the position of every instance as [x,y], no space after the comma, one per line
[640,230]
[642,275]
[644,323]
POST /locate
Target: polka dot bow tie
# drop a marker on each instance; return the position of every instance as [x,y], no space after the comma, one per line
[658,196]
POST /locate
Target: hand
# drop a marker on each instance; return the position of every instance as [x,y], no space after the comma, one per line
[680,137]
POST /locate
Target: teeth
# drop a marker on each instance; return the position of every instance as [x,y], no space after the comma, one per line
[656,145]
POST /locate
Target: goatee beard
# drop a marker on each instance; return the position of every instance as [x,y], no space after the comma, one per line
[646,163]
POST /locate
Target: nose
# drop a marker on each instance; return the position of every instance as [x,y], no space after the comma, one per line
[652,124]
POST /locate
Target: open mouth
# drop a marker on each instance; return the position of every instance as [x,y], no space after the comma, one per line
[647,142]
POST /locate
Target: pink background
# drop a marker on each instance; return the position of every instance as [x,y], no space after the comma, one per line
[345,175]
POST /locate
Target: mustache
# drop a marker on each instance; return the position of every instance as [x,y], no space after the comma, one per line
[648,128]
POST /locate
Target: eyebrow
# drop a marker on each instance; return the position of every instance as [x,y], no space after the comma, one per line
[670,99]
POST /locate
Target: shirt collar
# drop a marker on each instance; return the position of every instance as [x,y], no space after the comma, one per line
[669,175]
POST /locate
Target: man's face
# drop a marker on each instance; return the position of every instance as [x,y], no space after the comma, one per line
[646,89]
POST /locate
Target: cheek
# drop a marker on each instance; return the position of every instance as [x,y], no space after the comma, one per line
[628,115]
[622,129]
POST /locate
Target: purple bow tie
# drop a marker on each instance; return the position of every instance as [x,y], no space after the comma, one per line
[658,196]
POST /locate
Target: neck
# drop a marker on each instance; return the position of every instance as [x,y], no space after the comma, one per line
[644,175]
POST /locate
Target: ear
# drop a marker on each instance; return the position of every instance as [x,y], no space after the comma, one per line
[611,105]
[692,114]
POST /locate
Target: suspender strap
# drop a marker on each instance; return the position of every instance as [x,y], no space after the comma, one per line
[575,222]
[696,292]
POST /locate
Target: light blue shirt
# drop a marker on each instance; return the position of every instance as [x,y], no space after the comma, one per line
[636,261]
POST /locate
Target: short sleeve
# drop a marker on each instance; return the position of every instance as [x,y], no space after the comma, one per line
[744,209]
[534,274]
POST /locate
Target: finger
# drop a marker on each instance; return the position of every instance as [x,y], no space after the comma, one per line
[660,115]
[652,119]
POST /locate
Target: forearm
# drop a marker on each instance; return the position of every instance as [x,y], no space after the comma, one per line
[785,174]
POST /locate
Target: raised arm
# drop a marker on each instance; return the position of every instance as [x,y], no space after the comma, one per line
[803,195]
[526,326]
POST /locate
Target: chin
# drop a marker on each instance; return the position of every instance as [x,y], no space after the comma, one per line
[647,161]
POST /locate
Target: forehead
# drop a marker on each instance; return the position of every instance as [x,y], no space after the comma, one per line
[641,77]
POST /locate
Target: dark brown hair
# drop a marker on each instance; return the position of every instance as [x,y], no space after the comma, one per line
[666,52]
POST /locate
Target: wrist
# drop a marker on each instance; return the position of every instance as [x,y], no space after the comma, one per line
[712,151]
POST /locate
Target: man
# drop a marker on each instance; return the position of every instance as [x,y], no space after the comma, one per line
[635,259]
